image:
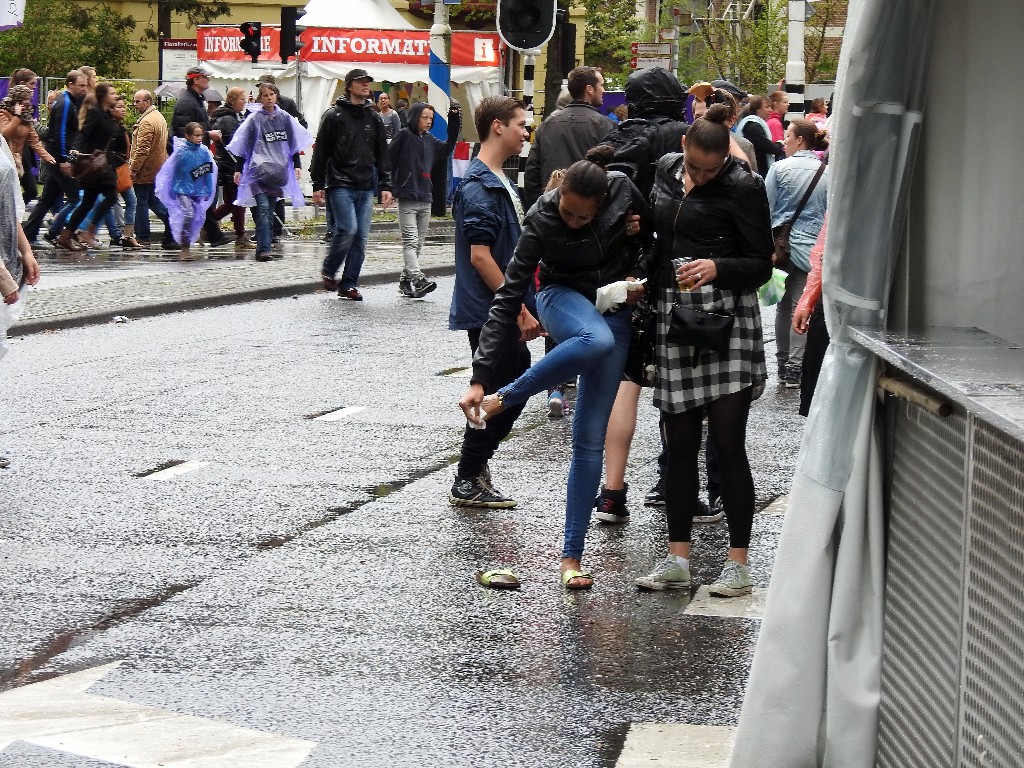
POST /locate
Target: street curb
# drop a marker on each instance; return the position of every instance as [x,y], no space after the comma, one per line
[278,291]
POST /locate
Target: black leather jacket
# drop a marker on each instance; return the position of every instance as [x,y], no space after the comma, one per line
[582,259]
[349,144]
[726,220]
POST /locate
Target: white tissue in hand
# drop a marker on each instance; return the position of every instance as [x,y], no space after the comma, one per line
[612,295]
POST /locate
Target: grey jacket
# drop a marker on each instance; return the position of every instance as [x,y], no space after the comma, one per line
[560,141]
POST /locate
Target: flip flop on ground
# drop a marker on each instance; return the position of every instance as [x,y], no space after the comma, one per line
[499,578]
[573,579]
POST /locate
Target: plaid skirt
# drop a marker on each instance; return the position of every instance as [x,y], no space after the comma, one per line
[688,377]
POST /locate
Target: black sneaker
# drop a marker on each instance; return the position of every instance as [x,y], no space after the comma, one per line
[656,496]
[405,286]
[169,245]
[709,513]
[421,286]
[4,462]
[611,506]
[473,492]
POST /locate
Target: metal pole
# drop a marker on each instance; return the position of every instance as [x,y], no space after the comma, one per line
[795,68]
[528,76]
[440,73]
[675,40]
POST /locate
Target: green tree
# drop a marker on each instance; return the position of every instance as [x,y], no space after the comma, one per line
[749,49]
[822,63]
[611,26]
[57,36]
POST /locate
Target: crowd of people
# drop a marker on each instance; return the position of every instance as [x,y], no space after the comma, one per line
[637,249]
[641,262]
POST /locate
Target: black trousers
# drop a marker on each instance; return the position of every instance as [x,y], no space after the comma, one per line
[727,430]
[57,186]
[479,445]
[814,356]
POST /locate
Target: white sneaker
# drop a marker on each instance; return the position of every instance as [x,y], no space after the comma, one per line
[734,581]
[668,574]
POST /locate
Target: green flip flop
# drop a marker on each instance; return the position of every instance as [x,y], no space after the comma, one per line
[568,576]
[500,578]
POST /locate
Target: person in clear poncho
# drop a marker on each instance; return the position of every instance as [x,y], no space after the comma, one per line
[187,185]
[267,145]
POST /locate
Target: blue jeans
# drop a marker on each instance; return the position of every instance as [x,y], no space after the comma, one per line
[147,200]
[264,222]
[351,209]
[593,346]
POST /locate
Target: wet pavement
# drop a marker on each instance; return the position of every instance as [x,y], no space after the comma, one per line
[306,576]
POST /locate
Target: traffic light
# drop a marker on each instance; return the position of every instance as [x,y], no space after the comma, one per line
[526,24]
[251,39]
[290,31]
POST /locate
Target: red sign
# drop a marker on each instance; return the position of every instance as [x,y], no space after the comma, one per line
[387,46]
[222,44]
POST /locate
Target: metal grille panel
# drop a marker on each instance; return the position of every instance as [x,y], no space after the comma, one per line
[992,715]
[921,646]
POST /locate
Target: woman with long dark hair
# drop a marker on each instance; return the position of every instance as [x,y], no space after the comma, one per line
[714,250]
[98,132]
[580,237]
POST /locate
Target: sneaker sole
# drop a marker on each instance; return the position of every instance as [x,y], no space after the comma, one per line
[660,586]
[605,517]
[720,590]
[421,293]
[457,502]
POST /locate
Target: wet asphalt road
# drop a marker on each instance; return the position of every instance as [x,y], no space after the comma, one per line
[311,579]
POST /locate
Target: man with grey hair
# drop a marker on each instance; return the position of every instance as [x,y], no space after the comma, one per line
[567,134]
[149,152]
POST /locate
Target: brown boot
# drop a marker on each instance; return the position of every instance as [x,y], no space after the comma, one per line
[128,241]
[87,237]
[66,240]
[186,254]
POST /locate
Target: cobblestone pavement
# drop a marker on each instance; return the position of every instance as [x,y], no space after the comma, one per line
[101,285]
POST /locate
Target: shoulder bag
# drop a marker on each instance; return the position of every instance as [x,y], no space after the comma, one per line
[780,234]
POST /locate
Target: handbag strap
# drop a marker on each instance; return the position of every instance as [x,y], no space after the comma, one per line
[807,194]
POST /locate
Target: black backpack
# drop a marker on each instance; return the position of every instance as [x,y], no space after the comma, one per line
[640,142]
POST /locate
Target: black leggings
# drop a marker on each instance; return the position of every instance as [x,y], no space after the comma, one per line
[727,428]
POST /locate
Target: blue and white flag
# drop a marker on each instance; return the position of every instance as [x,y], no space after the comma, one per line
[12,13]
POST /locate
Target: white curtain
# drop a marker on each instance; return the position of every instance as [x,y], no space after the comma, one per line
[813,695]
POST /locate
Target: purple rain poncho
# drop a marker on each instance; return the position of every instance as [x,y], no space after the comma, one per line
[266,141]
[189,172]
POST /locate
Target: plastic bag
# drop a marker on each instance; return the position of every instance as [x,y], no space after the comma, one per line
[612,295]
[772,291]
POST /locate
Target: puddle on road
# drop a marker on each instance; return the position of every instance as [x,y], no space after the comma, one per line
[25,671]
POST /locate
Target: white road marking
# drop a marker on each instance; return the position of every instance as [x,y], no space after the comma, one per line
[177,469]
[340,414]
[59,714]
[675,745]
[743,607]
[777,508]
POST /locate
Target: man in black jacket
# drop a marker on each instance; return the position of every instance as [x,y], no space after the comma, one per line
[191,108]
[63,128]
[350,145]
[567,134]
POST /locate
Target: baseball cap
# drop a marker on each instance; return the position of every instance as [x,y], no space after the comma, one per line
[701,90]
[357,74]
[195,72]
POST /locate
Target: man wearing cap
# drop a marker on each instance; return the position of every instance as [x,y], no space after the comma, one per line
[191,108]
[349,145]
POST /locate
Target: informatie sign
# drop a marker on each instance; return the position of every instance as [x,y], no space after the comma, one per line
[176,58]
[386,46]
[650,49]
[643,62]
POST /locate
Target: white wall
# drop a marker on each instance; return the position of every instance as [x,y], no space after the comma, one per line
[966,227]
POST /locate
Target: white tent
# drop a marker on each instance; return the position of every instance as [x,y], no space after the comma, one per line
[367,14]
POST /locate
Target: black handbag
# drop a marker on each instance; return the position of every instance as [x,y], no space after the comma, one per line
[641,368]
[691,327]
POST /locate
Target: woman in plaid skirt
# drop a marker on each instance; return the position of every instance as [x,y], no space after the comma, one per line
[714,250]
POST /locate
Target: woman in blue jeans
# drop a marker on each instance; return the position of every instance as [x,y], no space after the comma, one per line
[582,237]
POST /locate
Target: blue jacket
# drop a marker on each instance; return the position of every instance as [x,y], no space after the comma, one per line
[484,215]
[193,171]
[786,183]
[414,154]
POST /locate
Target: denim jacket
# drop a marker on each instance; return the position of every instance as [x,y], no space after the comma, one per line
[786,183]
[484,215]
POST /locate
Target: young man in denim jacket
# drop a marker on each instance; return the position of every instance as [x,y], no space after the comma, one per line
[488,218]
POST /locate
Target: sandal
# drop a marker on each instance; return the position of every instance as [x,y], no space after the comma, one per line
[569,575]
[500,578]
